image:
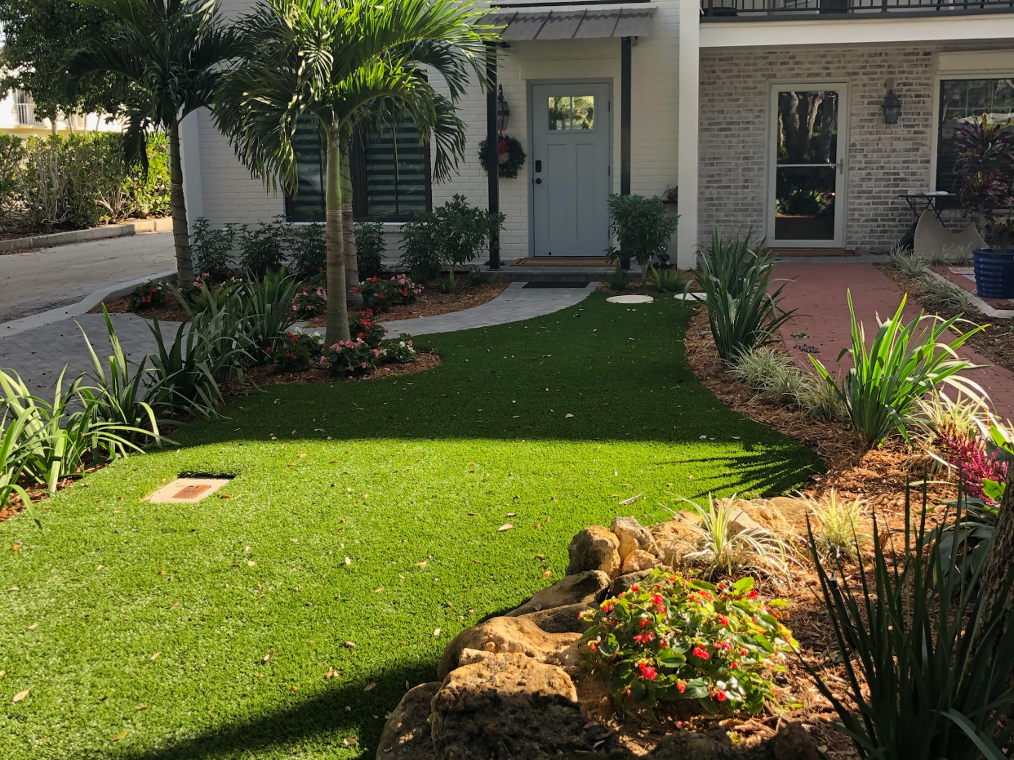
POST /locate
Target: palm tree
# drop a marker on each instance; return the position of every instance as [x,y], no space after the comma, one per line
[347,64]
[172,54]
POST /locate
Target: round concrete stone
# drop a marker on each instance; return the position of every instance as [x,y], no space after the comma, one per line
[630,299]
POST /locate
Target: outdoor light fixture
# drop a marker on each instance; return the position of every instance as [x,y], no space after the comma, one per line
[503,111]
[892,107]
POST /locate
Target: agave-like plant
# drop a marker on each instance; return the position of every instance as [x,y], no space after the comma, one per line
[902,364]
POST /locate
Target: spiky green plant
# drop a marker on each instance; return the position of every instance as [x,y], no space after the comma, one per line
[839,533]
[905,261]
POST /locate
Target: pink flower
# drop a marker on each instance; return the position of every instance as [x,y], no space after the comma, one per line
[702,653]
[364,365]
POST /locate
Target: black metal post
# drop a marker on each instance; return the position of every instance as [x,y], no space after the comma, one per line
[625,79]
[493,175]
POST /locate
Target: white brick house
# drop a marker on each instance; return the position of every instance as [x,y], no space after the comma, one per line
[716,88]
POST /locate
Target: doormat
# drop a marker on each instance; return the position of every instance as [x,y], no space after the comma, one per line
[187,490]
[796,253]
[562,261]
[555,284]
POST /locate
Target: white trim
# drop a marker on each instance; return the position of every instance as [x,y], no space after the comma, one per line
[841,175]
[190,158]
[688,156]
[945,27]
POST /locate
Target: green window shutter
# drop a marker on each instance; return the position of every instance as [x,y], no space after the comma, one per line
[308,203]
[396,175]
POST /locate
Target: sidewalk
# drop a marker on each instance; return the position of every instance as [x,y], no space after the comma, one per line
[819,292]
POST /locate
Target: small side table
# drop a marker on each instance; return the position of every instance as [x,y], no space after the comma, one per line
[920,202]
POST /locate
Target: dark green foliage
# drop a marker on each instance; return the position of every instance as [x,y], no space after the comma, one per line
[370,247]
[449,236]
[265,247]
[926,665]
[734,278]
[307,247]
[477,277]
[619,280]
[642,227]
[668,280]
[212,249]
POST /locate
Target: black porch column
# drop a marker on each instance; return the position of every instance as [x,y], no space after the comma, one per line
[493,175]
[625,77]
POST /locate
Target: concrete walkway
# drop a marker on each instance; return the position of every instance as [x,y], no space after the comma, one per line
[819,292]
[515,304]
[39,354]
[35,282]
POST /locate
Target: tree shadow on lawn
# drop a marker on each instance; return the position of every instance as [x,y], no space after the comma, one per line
[322,718]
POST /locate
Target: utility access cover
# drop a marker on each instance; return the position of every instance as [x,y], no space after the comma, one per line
[632,298]
[186,490]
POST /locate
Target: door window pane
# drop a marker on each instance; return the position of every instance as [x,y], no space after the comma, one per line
[807,127]
[962,100]
[804,203]
[572,112]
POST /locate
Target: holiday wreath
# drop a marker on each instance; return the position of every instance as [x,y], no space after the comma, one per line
[510,156]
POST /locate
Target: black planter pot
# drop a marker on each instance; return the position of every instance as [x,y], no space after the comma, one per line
[994,273]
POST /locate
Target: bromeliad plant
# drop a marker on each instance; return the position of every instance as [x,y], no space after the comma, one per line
[711,648]
[929,672]
[902,364]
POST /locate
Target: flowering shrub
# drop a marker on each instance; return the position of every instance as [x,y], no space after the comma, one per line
[350,357]
[310,301]
[382,295]
[150,295]
[297,349]
[673,639]
[364,328]
[967,453]
[399,351]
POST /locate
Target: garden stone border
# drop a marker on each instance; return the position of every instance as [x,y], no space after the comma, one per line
[161,224]
[515,682]
[83,306]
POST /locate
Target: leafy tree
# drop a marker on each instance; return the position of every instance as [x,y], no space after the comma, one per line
[172,52]
[347,64]
[38,37]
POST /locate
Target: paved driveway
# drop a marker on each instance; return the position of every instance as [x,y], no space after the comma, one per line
[51,277]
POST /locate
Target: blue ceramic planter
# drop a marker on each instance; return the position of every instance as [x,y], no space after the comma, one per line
[994,273]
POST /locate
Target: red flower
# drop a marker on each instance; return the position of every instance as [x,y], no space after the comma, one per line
[723,620]
[682,687]
[644,623]
[702,653]
[720,696]
[647,671]
[752,594]
[635,588]
[607,606]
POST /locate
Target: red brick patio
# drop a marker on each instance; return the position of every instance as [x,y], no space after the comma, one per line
[819,291]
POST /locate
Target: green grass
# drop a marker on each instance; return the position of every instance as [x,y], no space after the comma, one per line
[392,472]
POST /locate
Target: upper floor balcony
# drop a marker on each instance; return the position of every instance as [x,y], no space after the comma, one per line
[783,10]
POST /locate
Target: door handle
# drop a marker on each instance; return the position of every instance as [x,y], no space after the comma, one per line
[841,165]
[538,180]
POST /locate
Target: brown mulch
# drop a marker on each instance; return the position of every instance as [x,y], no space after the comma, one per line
[170,311]
[995,342]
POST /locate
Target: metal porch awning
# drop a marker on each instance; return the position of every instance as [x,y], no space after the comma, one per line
[569,22]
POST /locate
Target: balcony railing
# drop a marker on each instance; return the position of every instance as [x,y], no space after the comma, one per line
[717,10]
[25,114]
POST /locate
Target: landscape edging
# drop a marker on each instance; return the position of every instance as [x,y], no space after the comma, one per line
[161,224]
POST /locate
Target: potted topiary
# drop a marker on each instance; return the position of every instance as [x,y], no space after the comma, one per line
[985,167]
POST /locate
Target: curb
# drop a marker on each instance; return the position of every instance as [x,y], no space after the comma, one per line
[979,304]
[162,224]
[83,306]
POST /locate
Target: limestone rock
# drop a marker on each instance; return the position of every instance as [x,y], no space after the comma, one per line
[791,743]
[406,734]
[632,536]
[624,582]
[677,538]
[510,706]
[639,560]
[594,548]
[504,634]
[565,619]
[581,588]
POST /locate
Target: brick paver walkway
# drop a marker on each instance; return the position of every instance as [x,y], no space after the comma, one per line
[819,292]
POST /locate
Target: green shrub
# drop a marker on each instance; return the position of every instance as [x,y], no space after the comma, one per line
[212,249]
[370,247]
[668,280]
[447,284]
[365,328]
[307,250]
[742,313]
[449,236]
[297,349]
[264,248]
[619,279]
[902,364]
[927,666]
[150,295]
[641,226]
[477,278]
[381,295]
[12,159]
[710,648]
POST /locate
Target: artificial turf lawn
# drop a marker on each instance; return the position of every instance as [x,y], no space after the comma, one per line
[246,598]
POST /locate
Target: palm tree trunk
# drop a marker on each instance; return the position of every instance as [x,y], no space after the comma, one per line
[181,231]
[353,297]
[337,311]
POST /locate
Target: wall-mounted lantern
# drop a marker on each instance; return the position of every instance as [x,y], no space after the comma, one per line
[503,111]
[892,107]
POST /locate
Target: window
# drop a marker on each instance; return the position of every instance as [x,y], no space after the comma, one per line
[390,175]
[961,100]
[572,112]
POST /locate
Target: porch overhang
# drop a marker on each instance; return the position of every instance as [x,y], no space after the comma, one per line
[571,22]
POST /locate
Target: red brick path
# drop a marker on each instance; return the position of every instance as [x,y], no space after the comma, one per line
[819,291]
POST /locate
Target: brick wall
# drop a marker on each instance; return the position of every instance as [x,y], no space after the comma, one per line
[883,160]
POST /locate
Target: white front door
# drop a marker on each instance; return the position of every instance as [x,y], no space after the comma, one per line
[570,168]
[807,166]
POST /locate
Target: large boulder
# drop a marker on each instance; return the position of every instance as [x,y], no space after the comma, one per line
[504,634]
[594,548]
[582,588]
[566,619]
[625,582]
[507,705]
[677,538]
[632,536]
[790,743]
[638,561]
[407,732]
